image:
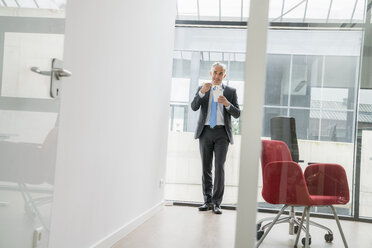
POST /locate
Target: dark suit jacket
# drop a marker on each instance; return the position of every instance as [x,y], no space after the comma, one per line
[202,103]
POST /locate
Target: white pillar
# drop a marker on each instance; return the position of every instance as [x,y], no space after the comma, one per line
[254,87]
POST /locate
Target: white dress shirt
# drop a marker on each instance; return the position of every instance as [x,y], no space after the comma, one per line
[220,119]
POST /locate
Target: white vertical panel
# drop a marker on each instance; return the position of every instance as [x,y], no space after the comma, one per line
[114,119]
[255,67]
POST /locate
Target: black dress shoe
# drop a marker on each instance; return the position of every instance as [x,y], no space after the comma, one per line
[217,209]
[205,207]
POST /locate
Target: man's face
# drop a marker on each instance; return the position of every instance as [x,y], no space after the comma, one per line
[217,74]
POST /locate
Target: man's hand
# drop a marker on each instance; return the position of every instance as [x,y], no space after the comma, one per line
[206,87]
[224,101]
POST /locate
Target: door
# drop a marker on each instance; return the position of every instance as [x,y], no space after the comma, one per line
[31,36]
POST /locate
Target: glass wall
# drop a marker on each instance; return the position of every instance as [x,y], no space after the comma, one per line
[315,72]
[316,86]
[31,35]
[364,152]
[319,91]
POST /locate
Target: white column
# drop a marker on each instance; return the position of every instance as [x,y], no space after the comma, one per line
[254,87]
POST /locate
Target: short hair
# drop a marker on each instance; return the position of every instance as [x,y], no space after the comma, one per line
[220,65]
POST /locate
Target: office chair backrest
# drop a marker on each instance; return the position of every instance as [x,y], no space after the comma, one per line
[283,180]
[273,151]
[284,128]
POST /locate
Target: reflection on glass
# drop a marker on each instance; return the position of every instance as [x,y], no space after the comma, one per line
[28,152]
[32,35]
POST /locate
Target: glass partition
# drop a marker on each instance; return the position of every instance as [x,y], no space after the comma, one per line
[31,35]
[317,71]
[305,79]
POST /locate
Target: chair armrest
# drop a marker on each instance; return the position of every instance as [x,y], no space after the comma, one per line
[327,179]
[310,163]
[284,183]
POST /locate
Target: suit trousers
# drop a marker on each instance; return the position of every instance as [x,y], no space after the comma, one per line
[213,141]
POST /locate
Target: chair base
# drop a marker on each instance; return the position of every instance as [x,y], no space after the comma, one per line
[294,223]
[299,223]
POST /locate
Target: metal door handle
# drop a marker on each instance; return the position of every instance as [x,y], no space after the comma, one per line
[61,73]
[37,70]
[56,73]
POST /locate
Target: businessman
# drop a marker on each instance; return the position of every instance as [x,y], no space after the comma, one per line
[214,133]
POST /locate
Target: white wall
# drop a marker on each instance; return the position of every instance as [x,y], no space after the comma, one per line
[114,118]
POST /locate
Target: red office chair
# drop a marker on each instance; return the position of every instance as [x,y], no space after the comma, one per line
[285,183]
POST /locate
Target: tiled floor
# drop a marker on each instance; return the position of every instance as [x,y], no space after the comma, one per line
[186,227]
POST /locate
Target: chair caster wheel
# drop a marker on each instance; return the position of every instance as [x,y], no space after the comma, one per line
[259,234]
[295,229]
[258,227]
[328,237]
[303,241]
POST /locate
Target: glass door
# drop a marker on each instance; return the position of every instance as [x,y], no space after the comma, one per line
[31,35]
[363,199]
[312,75]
